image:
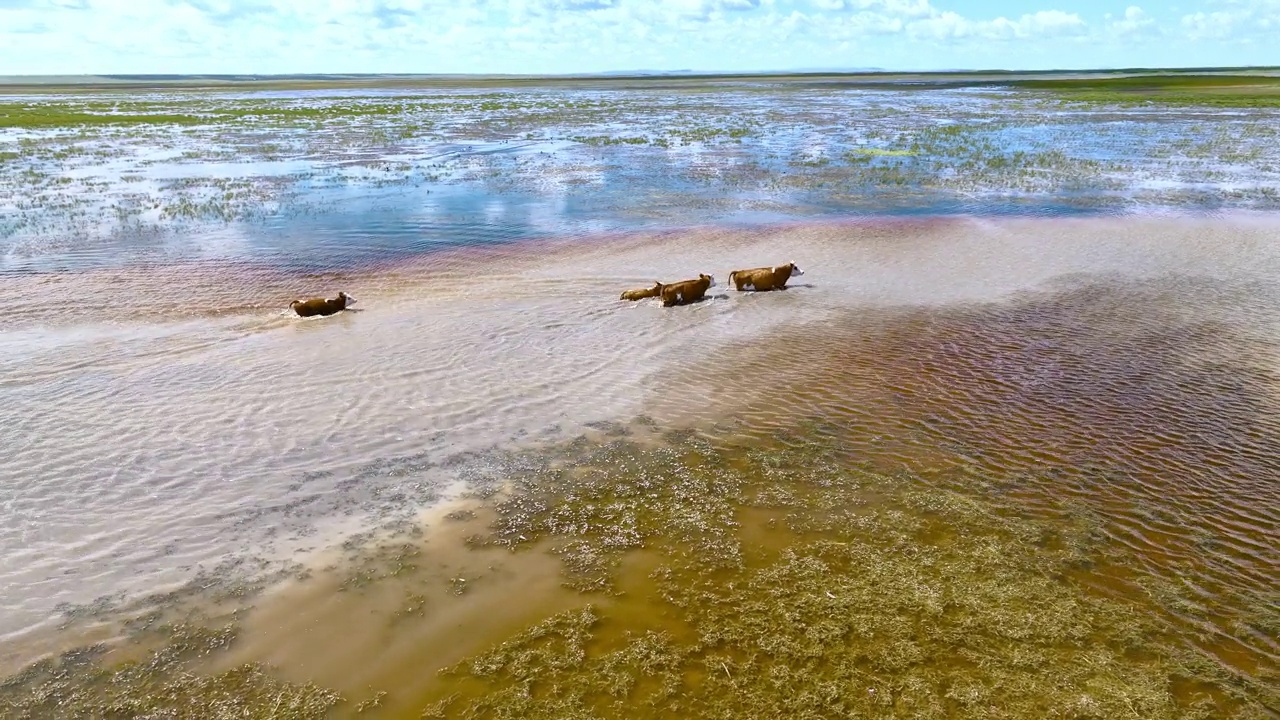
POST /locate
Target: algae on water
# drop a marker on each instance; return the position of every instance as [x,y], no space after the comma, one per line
[781,580]
[162,685]
[885,598]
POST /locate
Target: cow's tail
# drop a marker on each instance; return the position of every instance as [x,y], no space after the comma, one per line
[732,275]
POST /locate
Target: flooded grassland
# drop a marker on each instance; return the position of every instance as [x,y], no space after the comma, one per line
[1006,450]
[105,178]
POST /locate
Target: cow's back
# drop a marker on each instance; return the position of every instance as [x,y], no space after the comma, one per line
[754,278]
[780,276]
[682,292]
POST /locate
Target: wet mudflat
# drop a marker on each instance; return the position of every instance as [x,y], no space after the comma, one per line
[968,467]
[1057,502]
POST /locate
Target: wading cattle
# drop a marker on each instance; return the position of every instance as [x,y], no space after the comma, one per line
[686,291]
[322,306]
[765,278]
[642,293]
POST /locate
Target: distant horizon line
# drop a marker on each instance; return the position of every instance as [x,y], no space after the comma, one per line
[4,78]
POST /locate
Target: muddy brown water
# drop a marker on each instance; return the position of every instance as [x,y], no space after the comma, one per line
[1109,395]
[1123,371]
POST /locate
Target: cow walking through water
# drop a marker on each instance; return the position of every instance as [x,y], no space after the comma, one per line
[764,278]
[686,291]
[322,306]
[642,293]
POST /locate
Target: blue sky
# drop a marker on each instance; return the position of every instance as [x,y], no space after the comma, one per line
[562,36]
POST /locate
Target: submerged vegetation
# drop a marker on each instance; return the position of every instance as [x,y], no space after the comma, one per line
[721,578]
[78,685]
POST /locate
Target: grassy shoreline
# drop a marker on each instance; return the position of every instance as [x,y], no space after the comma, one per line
[1122,77]
[1233,89]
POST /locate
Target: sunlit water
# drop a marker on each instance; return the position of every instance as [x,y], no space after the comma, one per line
[169,416]
[385,174]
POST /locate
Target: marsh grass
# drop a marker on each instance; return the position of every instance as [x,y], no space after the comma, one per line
[781,579]
[1238,99]
[1245,91]
[858,153]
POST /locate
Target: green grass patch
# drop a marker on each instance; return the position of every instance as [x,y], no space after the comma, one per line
[609,140]
[881,152]
[1157,81]
[51,116]
[193,111]
[1252,91]
[1231,100]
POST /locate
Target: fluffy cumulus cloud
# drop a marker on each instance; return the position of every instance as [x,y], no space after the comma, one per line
[953,26]
[895,8]
[1133,23]
[1235,21]
[557,36]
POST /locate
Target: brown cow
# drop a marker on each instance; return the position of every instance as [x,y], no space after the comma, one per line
[642,293]
[322,306]
[686,291]
[765,278]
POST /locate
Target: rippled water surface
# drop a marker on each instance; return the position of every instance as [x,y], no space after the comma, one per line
[1069,313]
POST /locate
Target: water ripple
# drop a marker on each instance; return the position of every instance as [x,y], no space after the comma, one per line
[1128,369]
[1155,403]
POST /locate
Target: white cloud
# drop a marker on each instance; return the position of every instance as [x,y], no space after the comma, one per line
[585,4]
[85,36]
[895,8]
[1134,23]
[1043,24]
[859,25]
[1215,25]
[1239,21]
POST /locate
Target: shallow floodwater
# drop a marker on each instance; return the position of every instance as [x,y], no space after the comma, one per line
[173,427]
[315,179]
[158,433]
